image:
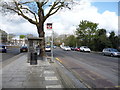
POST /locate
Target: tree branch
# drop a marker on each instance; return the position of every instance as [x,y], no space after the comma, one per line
[23,15]
[45,2]
[31,12]
[24,3]
[54,11]
[54,6]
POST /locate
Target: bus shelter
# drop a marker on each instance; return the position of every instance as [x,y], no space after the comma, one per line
[33,50]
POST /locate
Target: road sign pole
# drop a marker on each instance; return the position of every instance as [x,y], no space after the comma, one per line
[49,27]
[52,48]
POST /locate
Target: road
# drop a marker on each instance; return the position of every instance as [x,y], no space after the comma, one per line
[96,70]
[11,52]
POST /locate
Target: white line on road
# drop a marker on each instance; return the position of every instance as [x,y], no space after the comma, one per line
[51,78]
[49,72]
[53,86]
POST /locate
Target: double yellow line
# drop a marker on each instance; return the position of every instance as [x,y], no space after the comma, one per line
[58,60]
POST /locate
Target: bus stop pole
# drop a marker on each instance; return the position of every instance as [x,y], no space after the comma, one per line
[52,48]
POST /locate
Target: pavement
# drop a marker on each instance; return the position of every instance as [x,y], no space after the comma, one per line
[20,74]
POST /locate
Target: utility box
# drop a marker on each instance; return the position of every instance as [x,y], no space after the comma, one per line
[33,58]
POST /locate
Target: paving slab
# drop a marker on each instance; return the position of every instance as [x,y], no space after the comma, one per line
[20,74]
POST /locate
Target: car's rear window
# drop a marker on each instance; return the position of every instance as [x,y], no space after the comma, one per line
[47,46]
[24,47]
[114,50]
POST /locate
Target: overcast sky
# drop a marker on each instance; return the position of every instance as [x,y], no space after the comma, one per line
[66,21]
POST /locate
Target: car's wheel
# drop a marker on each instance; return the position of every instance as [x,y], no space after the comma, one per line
[103,54]
[111,55]
[4,51]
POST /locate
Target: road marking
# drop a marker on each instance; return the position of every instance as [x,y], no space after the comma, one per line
[90,77]
[109,81]
[114,70]
[58,60]
[117,86]
[51,78]
[48,72]
[54,86]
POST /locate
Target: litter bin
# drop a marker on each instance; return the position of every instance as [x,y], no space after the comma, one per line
[33,59]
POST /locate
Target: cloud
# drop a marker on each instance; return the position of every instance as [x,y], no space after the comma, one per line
[64,22]
[12,23]
[105,0]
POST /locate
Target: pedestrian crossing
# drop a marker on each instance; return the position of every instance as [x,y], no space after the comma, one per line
[50,77]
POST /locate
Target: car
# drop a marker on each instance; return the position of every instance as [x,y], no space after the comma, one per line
[111,52]
[3,49]
[54,47]
[77,49]
[85,49]
[24,49]
[72,48]
[48,48]
[67,48]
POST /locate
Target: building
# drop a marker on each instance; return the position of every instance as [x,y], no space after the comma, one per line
[3,37]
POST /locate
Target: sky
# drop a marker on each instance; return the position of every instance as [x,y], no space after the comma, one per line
[66,21]
[102,6]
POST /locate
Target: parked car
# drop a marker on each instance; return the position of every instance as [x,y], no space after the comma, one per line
[54,47]
[77,49]
[24,49]
[111,52]
[63,47]
[3,49]
[67,48]
[72,48]
[48,48]
[85,49]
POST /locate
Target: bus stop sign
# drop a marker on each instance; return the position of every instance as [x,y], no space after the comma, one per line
[49,26]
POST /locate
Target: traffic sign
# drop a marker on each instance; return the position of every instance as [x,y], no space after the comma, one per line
[49,26]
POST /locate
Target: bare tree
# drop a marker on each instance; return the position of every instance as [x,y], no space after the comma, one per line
[36,8]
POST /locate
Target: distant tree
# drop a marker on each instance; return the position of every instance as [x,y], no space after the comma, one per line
[62,38]
[22,36]
[55,39]
[114,39]
[101,40]
[3,36]
[10,37]
[70,41]
[86,32]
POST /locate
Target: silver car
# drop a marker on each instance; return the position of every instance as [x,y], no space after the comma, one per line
[85,49]
[111,52]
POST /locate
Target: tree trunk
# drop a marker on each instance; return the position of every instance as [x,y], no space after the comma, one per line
[41,33]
